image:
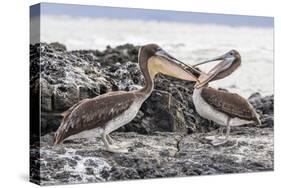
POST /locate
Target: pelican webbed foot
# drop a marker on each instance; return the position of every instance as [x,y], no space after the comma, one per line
[116,149]
[108,143]
[218,141]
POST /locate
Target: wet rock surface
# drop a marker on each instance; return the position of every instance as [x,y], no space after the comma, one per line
[161,154]
[165,139]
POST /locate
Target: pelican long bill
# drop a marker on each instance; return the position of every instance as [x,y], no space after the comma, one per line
[179,63]
[223,65]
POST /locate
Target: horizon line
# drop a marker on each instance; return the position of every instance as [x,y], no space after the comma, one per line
[94,11]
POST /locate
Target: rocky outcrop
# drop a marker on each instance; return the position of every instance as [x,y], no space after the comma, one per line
[67,77]
[165,139]
[161,154]
[265,107]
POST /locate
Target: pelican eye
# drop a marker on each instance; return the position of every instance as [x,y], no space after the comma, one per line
[158,49]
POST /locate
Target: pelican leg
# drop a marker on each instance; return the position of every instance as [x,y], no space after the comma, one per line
[109,139]
[220,141]
[216,134]
[221,131]
[110,147]
[227,131]
[105,141]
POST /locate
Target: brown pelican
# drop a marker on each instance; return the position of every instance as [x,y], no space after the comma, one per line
[225,108]
[108,112]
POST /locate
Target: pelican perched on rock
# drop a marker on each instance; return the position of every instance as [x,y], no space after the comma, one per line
[224,108]
[106,113]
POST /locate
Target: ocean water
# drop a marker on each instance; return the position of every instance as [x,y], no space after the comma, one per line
[189,42]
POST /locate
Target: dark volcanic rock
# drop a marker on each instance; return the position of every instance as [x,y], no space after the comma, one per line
[162,154]
[265,107]
[58,46]
[67,77]
[165,139]
[46,95]
[161,112]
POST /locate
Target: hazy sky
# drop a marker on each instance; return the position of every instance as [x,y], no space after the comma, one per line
[146,14]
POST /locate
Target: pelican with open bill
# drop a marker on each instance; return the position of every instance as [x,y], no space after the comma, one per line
[106,113]
[225,108]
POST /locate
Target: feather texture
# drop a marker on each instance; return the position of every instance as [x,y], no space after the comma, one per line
[230,103]
[93,113]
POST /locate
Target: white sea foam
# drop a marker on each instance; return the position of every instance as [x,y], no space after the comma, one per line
[98,165]
[190,42]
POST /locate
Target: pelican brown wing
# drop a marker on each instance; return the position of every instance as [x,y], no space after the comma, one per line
[230,103]
[93,113]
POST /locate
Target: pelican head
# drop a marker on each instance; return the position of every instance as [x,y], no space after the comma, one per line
[229,63]
[154,59]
